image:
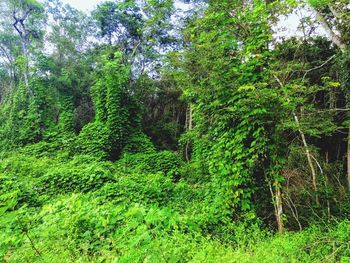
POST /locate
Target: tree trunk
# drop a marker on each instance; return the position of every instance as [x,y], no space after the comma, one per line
[279,209]
[334,37]
[26,67]
[308,156]
[276,195]
[349,159]
[190,120]
[189,124]
[24,35]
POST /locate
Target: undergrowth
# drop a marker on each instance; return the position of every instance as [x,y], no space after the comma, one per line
[135,210]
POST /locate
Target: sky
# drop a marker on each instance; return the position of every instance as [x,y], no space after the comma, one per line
[83,5]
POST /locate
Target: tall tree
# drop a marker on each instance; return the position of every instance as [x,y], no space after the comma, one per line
[335,19]
[27,22]
[141,29]
[225,79]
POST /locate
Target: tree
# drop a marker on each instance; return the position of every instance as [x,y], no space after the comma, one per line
[27,20]
[67,70]
[141,29]
[335,19]
[225,79]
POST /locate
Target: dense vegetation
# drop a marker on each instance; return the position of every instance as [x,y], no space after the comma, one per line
[160,131]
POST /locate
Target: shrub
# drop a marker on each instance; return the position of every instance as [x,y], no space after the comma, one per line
[87,211]
[76,178]
[167,162]
[139,143]
[94,139]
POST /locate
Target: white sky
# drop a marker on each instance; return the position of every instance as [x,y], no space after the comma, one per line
[83,5]
[291,25]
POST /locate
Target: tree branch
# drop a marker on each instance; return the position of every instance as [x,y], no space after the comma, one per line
[317,67]
[334,37]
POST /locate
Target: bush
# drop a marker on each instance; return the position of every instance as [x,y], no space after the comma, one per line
[76,178]
[167,162]
[19,176]
[87,211]
[94,139]
[139,143]
[155,189]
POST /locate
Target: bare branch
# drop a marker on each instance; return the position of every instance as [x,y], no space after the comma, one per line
[318,67]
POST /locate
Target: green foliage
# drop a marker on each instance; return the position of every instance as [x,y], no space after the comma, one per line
[117,126]
[19,180]
[66,118]
[139,143]
[260,125]
[89,211]
[345,74]
[234,105]
[94,139]
[118,122]
[319,3]
[75,177]
[112,109]
[167,162]
[23,123]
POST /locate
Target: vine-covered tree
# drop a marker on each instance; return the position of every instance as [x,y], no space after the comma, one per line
[174,131]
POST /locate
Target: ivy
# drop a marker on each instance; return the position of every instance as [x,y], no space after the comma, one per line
[117,126]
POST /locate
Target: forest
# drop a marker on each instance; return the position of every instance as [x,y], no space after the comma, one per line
[175,131]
